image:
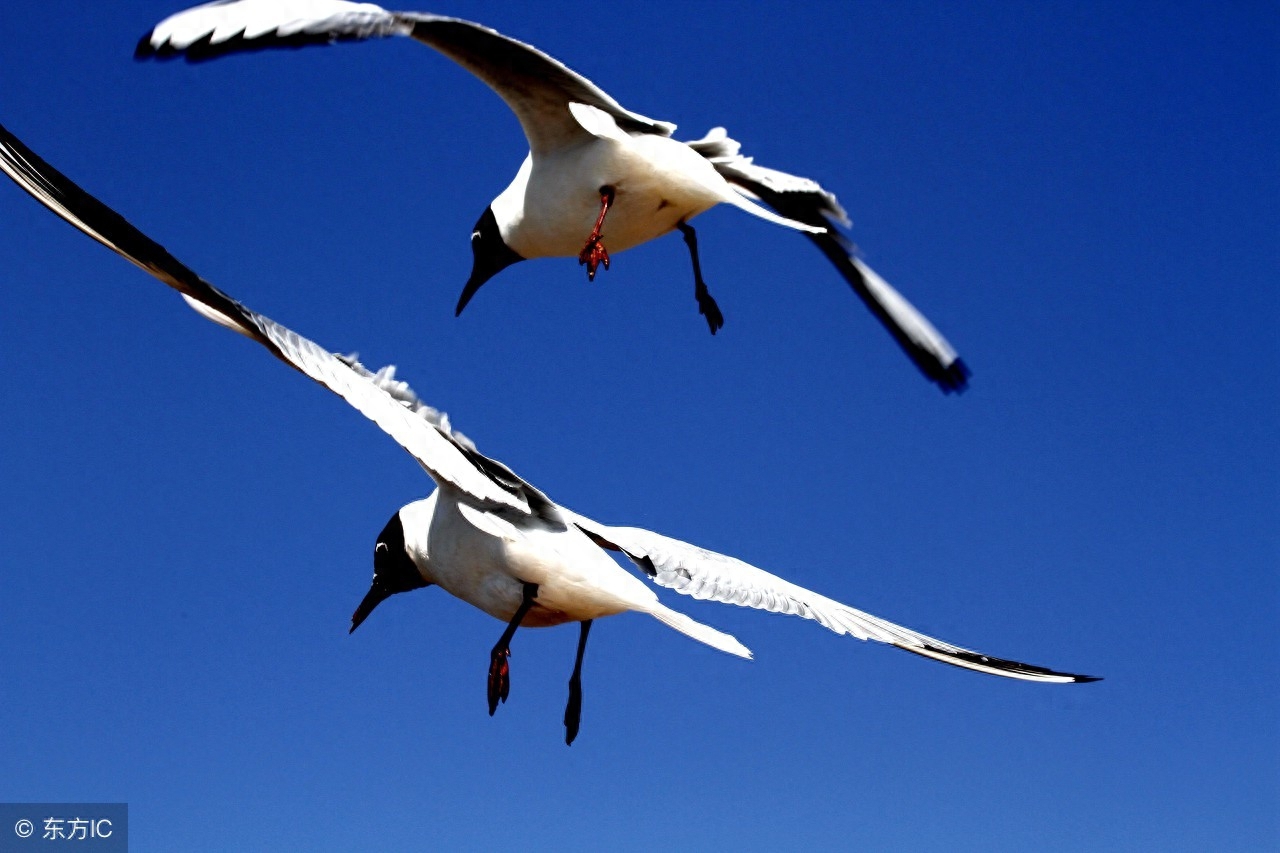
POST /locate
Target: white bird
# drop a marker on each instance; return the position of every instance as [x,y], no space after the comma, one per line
[589,158]
[486,535]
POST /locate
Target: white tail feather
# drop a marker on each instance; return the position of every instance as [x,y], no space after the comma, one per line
[702,633]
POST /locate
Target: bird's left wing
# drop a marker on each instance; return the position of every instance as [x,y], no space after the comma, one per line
[537,87]
[804,200]
[704,574]
[425,433]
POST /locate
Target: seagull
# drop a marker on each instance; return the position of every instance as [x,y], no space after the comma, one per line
[486,535]
[590,160]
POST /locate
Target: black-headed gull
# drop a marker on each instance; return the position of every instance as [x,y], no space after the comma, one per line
[486,535]
[590,160]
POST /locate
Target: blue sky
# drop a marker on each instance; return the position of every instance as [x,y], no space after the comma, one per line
[1083,198]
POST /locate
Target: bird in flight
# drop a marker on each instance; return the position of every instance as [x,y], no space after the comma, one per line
[591,162]
[486,535]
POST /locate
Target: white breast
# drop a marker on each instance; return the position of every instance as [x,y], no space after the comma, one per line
[552,205]
[485,559]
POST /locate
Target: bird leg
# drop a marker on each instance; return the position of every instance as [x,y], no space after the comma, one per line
[707,306]
[573,711]
[499,669]
[594,254]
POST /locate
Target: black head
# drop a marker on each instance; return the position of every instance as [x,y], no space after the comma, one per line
[393,570]
[490,256]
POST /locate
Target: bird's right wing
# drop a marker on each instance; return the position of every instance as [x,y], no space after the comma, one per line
[804,200]
[704,574]
[425,433]
[536,87]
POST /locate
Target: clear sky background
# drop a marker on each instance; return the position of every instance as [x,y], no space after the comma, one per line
[1083,198]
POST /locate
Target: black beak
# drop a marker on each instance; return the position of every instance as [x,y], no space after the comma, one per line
[490,256]
[377,594]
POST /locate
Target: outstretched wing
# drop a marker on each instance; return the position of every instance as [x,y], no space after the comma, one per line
[704,574]
[804,200]
[537,88]
[425,433]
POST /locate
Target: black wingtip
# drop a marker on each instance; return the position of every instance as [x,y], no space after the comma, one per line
[996,666]
[954,378]
[166,52]
[1013,667]
[144,50]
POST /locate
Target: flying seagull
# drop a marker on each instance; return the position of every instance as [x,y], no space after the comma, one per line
[486,535]
[590,160]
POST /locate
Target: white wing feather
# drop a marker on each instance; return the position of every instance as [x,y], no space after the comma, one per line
[220,22]
[425,433]
[708,575]
[537,87]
